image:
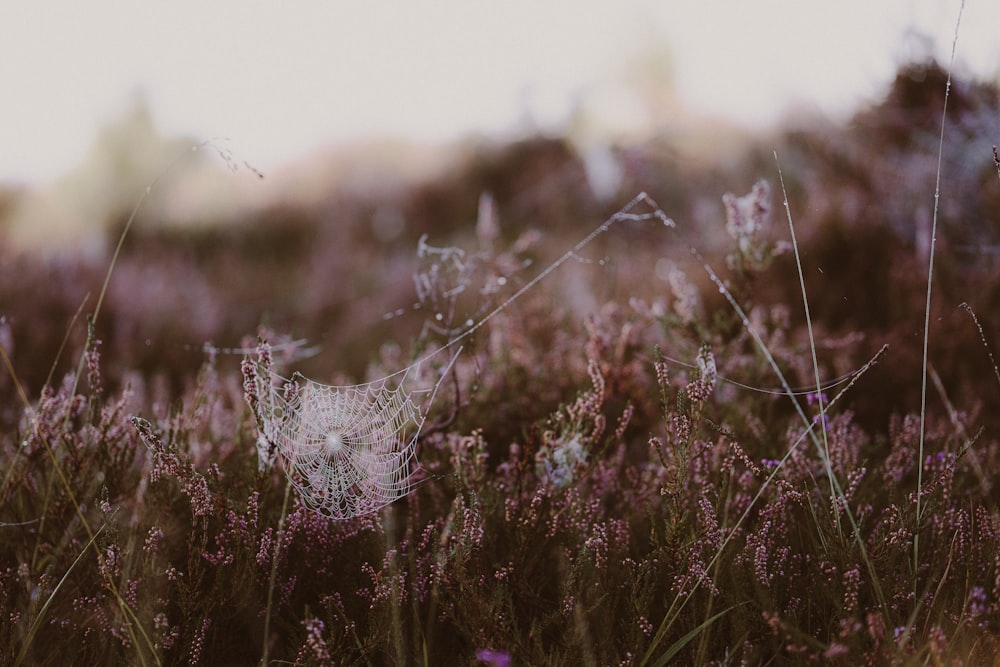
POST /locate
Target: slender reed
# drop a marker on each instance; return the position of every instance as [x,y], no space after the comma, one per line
[927,307]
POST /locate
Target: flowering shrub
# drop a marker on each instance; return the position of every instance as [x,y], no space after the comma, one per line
[609,474]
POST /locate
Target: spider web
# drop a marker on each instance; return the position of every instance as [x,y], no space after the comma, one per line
[351,450]
[348,450]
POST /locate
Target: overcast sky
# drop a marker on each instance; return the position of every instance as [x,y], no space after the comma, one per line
[281,80]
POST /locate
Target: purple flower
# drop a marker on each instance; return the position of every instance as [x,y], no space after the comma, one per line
[493,658]
[813,397]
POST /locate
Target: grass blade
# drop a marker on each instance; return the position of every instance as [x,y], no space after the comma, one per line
[927,307]
[679,645]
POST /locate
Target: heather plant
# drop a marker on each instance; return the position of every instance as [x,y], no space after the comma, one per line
[640,454]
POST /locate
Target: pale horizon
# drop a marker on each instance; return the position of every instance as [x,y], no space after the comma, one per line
[282,84]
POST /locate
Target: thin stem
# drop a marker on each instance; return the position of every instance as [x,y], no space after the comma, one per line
[279,536]
[812,339]
[927,307]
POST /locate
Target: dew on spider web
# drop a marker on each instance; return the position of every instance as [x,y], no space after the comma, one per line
[348,450]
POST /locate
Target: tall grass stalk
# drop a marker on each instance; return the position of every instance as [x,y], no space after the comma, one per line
[674,611]
[395,620]
[278,537]
[982,334]
[677,606]
[812,338]
[836,490]
[36,622]
[132,621]
[133,624]
[927,307]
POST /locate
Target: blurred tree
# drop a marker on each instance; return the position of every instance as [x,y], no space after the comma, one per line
[81,207]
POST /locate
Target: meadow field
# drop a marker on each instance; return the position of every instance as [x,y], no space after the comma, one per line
[749,416]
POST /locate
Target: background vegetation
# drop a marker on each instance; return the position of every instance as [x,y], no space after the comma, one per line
[624,481]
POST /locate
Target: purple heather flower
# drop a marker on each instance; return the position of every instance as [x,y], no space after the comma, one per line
[977,602]
[493,658]
[813,397]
